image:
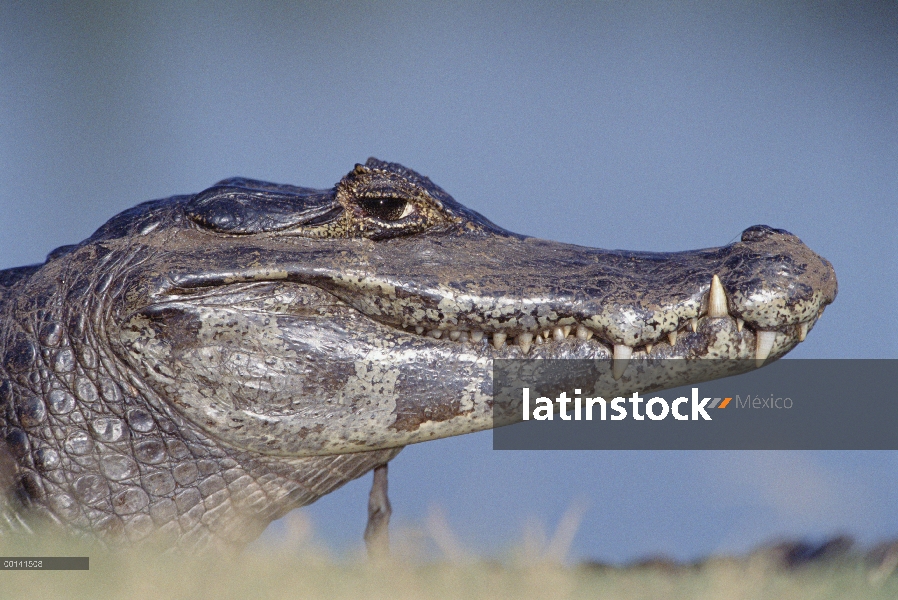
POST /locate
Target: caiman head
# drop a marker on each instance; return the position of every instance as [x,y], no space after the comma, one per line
[294,322]
[203,364]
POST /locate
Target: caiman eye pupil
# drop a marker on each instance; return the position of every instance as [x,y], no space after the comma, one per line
[385,209]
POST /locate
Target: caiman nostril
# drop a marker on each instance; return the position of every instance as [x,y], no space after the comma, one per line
[757,233]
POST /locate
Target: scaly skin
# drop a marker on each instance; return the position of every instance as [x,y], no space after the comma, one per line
[203,364]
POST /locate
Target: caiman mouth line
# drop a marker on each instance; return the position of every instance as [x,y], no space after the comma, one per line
[684,336]
[526,343]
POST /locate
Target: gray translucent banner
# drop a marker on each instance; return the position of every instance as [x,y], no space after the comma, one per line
[798,404]
[44,563]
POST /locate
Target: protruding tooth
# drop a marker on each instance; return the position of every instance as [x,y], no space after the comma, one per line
[539,340]
[454,335]
[802,331]
[498,340]
[589,334]
[763,344]
[435,333]
[622,351]
[524,341]
[582,333]
[693,323]
[739,324]
[419,330]
[619,362]
[567,330]
[476,335]
[672,338]
[648,348]
[717,299]
[463,336]
[547,334]
[558,334]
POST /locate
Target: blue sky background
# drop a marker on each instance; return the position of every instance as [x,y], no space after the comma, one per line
[643,126]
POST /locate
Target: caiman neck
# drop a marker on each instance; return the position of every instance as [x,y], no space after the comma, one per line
[94,450]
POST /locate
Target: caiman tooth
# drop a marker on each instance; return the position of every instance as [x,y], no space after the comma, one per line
[589,334]
[567,330]
[739,324]
[717,299]
[648,348]
[672,338]
[454,335]
[463,336]
[802,331]
[524,340]
[498,340]
[582,333]
[476,335]
[621,358]
[539,340]
[693,323]
[419,330]
[763,345]
[558,334]
[435,333]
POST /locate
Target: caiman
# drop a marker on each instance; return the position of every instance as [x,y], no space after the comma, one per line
[203,364]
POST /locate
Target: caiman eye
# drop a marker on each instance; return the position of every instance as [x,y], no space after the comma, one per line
[386,209]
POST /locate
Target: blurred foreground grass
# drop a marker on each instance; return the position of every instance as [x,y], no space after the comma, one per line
[290,570]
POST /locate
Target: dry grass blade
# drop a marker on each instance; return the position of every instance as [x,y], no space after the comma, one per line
[438,528]
[560,545]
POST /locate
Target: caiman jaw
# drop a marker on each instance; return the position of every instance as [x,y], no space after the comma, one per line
[754,299]
[713,334]
[577,340]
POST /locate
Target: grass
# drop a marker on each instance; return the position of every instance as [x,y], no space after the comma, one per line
[295,568]
[276,575]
